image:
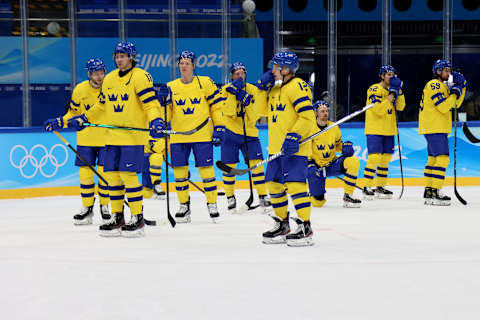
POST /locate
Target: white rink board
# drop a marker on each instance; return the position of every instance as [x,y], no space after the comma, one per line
[388,260]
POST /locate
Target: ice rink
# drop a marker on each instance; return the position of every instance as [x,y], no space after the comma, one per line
[389,259]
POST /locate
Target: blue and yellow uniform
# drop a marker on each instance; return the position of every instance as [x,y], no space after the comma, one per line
[90,143]
[188,106]
[289,109]
[126,99]
[435,123]
[229,115]
[325,163]
[380,129]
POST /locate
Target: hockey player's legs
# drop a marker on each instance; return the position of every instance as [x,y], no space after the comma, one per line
[156,161]
[276,188]
[229,155]
[316,185]
[102,187]
[382,170]
[438,159]
[133,191]
[181,183]
[279,199]
[427,172]
[87,186]
[350,166]
[209,183]
[180,153]
[258,177]
[255,155]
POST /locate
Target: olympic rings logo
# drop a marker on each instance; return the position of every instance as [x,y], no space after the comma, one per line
[29,157]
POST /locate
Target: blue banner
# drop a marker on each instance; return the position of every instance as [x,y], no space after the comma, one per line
[49,58]
[33,159]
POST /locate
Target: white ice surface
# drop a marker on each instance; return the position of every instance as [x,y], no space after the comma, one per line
[388,260]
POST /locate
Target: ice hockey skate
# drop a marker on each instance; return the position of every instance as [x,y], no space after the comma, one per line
[428,196]
[183,213]
[277,234]
[213,211]
[232,204]
[84,217]
[105,213]
[439,199]
[158,193]
[350,202]
[303,236]
[368,193]
[135,227]
[382,193]
[113,228]
[265,203]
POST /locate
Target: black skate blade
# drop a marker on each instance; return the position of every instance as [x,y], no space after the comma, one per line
[150,222]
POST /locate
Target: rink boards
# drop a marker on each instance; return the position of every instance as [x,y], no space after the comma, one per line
[35,163]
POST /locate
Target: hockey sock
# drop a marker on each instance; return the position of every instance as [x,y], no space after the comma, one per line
[382,169]
[116,190]
[181,183]
[102,188]
[133,190]
[301,199]
[87,186]
[258,177]
[278,198]
[229,181]
[209,183]
[156,161]
[351,165]
[370,168]
[438,171]
[427,173]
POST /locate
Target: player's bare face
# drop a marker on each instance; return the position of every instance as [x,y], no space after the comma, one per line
[123,61]
[239,73]
[96,78]
[277,72]
[186,67]
[322,114]
[445,73]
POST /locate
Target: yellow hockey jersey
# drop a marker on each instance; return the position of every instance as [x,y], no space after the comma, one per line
[189,105]
[229,115]
[127,101]
[289,108]
[434,115]
[381,119]
[84,97]
[326,145]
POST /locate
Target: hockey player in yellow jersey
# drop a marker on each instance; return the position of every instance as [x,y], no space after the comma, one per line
[380,129]
[127,99]
[290,119]
[192,100]
[90,142]
[240,101]
[435,123]
[325,163]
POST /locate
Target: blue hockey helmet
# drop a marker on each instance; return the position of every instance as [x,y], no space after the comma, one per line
[235,66]
[286,59]
[441,64]
[95,64]
[187,54]
[126,47]
[386,68]
[319,103]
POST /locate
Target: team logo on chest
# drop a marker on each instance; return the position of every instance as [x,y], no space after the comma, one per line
[87,107]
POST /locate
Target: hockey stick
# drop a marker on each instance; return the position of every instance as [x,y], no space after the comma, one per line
[248,203]
[455,118]
[469,134]
[222,166]
[169,215]
[147,222]
[338,177]
[399,152]
[189,132]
